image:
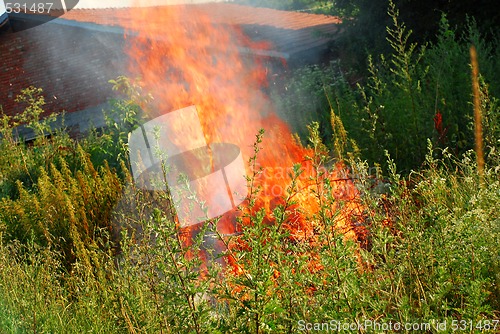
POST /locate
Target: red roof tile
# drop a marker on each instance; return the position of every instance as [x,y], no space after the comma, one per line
[223,13]
[289,32]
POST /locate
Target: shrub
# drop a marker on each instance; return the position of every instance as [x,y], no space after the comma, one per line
[50,192]
[415,93]
[65,209]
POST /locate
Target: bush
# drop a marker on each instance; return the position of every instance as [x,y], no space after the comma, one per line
[413,94]
[50,191]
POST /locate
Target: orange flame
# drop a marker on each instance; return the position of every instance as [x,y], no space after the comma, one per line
[185,58]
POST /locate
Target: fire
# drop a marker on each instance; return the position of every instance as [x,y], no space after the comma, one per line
[186,58]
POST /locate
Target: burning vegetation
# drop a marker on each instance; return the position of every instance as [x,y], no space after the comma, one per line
[197,61]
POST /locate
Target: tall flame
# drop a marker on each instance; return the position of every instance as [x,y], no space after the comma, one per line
[184,57]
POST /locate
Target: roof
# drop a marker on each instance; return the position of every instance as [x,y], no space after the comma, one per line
[73,57]
[288,32]
[218,12]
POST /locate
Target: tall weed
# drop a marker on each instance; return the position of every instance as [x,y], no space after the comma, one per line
[415,93]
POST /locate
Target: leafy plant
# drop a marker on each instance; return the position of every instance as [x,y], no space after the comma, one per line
[122,117]
[412,94]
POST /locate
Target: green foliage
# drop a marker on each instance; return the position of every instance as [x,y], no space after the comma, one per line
[51,193]
[65,209]
[365,23]
[432,256]
[395,110]
[410,95]
[312,95]
[123,116]
[33,99]
[17,162]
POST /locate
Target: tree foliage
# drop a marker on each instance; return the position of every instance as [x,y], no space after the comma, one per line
[365,20]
